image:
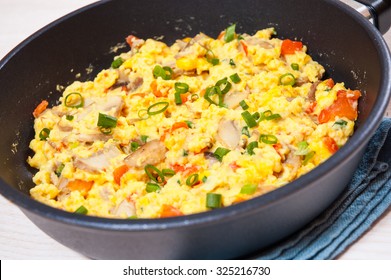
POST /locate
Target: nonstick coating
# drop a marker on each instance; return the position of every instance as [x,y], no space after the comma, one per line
[349,47]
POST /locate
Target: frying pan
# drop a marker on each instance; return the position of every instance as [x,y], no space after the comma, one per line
[351,49]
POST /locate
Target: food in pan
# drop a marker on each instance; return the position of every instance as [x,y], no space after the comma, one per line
[201,124]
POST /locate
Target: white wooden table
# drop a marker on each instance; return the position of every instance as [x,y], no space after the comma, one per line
[20,238]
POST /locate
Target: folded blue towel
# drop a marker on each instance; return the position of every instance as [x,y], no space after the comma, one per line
[365,199]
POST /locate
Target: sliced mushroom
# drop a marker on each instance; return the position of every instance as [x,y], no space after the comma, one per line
[152,152]
[311,92]
[255,41]
[64,126]
[232,99]
[62,186]
[92,137]
[228,134]
[125,209]
[97,162]
[291,165]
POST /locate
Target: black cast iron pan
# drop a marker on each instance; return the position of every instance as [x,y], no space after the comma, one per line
[351,49]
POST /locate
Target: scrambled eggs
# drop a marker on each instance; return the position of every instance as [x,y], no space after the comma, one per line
[201,124]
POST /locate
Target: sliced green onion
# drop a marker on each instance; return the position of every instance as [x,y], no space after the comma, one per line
[185,153]
[235,78]
[308,157]
[143,114]
[105,130]
[163,72]
[106,121]
[151,187]
[287,79]
[74,100]
[256,115]
[132,217]
[213,200]
[240,37]
[230,33]
[268,115]
[181,87]
[211,58]
[245,131]
[204,179]
[44,134]
[249,189]
[268,139]
[302,148]
[340,123]
[295,66]
[152,110]
[220,153]
[223,82]
[151,171]
[69,117]
[117,63]
[144,138]
[178,99]
[168,172]
[232,62]
[134,146]
[249,119]
[192,179]
[210,91]
[251,146]
[59,169]
[189,124]
[194,97]
[81,210]
[244,105]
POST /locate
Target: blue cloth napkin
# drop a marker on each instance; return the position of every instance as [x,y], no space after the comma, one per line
[365,199]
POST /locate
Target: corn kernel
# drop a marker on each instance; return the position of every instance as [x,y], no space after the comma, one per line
[186,63]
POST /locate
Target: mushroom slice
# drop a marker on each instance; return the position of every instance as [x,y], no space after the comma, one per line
[254,41]
[97,162]
[89,138]
[125,209]
[152,152]
[228,134]
[232,99]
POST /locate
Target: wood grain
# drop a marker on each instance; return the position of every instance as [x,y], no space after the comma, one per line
[20,238]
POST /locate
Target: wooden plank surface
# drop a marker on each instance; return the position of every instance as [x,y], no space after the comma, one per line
[20,238]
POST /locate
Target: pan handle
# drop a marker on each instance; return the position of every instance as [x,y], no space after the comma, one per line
[380,11]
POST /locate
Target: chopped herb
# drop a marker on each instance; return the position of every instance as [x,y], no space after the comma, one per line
[81,210]
[117,63]
[44,134]
[134,146]
[220,153]
[251,146]
[230,33]
[248,189]
[69,117]
[59,169]
[144,138]
[213,200]
[245,131]
[249,119]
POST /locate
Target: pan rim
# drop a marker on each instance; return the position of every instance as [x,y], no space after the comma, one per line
[356,142]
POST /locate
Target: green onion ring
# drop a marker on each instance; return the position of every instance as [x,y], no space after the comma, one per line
[192,180]
[44,134]
[287,79]
[149,168]
[168,172]
[268,139]
[181,87]
[70,104]
[225,82]
[151,112]
[151,187]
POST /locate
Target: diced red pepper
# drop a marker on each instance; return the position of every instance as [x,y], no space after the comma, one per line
[290,47]
[344,106]
[330,144]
